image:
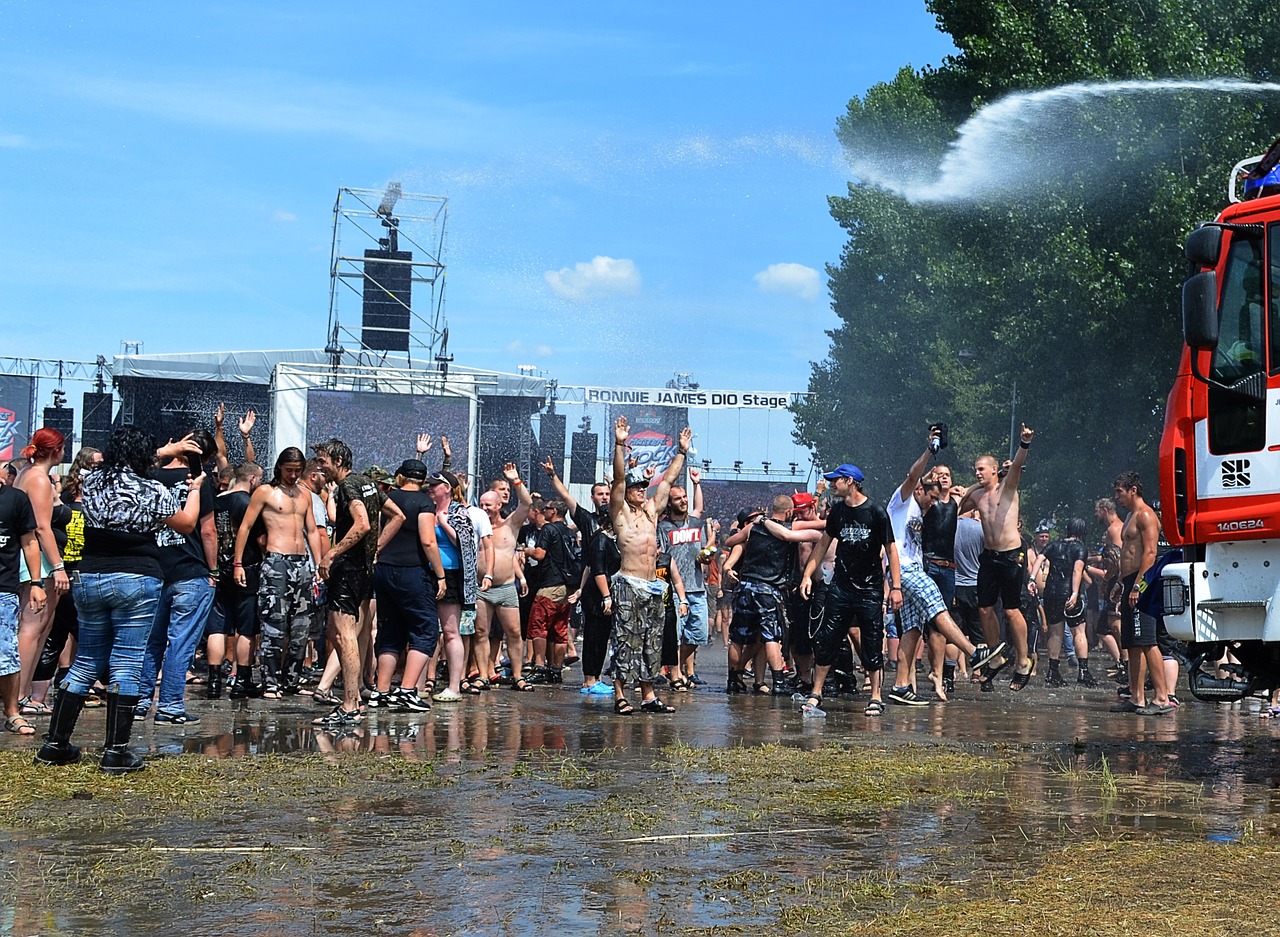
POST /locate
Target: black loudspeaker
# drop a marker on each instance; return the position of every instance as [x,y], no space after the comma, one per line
[551,439]
[582,458]
[95,424]
[388,283]
[63,419]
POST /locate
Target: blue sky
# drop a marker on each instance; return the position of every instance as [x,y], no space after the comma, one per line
[634,190]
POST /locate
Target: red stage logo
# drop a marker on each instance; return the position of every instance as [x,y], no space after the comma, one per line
[8,429]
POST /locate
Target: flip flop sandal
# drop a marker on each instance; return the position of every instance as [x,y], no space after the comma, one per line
[339,718]
[1020,680]
[987,673]
[656,705]
[874,708]
[623,708]
[326,698]
[524,686]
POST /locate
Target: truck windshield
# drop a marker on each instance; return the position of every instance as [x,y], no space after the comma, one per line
[1237,424]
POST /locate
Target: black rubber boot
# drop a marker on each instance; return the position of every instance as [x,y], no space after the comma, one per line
[57,748]
[116,756]
[214,690]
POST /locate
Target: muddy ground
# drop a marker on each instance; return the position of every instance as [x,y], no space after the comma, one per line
[530,814]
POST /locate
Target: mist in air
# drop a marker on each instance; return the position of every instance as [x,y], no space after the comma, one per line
[1010,148]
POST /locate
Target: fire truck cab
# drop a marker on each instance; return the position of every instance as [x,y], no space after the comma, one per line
[1220,451]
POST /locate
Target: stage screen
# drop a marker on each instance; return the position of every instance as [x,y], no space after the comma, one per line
[654,431]
[15,415]
[723,499]
[381,429]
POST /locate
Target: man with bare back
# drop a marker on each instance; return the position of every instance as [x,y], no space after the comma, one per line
[1002,567]
[639,596]
[285,605]
[498,608]
[1138,540]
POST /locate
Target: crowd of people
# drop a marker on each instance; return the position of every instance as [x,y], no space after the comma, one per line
[147,573]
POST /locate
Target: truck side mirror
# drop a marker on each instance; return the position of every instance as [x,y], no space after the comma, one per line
[1200,309]
[1204,246]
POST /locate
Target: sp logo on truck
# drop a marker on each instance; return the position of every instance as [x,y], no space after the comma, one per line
[1252,524]
[1235,473]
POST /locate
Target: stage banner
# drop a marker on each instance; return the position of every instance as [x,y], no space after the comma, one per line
[654,431]
[678,398]
[15,414]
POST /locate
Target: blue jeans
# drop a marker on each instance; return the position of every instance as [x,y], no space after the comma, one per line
[116,611]
[176,630]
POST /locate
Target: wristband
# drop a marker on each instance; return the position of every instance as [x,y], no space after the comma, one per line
[486,576]
[213,571]
[895,588]
[517,483]
[59,568]
[237,566]
[1023,445]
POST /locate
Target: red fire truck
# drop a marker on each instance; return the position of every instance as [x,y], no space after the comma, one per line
[1220,452]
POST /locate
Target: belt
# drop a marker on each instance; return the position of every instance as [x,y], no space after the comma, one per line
[945,564]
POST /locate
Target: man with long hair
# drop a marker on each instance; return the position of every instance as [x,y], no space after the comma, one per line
[287,574]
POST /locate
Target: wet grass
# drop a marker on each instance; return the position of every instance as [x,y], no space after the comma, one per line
[834,782]
[192,786]
[1107,889]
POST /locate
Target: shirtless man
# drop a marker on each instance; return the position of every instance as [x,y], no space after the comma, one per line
[287,573]
[499,603]
[639,596]
[1104,509]
[1002,568]
[1138,539]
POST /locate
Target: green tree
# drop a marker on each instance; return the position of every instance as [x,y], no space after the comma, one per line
[1071,290]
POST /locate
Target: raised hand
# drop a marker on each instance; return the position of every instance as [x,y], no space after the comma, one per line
[685,440]
[1028,434]
[549,466]
[247,423]
[695,476]
[511,473]
[423,445]
[444,445]
[218,414]
[620,430]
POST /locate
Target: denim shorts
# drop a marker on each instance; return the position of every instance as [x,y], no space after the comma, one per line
[9,660]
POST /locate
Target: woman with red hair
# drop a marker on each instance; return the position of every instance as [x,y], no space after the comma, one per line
[47,450]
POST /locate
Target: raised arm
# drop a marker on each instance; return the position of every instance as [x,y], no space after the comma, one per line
[562,491]
[246,427]
[695,482]
[783,532]
[916,472]
[219,440]
[618,487]
[517,517]
[1011,480]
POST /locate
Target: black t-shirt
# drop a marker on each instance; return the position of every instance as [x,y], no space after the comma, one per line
[604,559]
[560,564]
[356,487]
[228,514]
[405,548]
[939,530]
[16,518]
[182,555]
[532,568]
[766,559]
[1062,556]
[860,533]
[587,522]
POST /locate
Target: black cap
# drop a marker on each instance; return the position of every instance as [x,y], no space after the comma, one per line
[413,468]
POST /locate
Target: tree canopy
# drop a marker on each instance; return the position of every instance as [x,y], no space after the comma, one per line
[1067,285]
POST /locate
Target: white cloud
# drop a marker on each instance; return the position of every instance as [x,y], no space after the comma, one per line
[284,217]
[791,279]
[13,141]
[601,278]
[520,348]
